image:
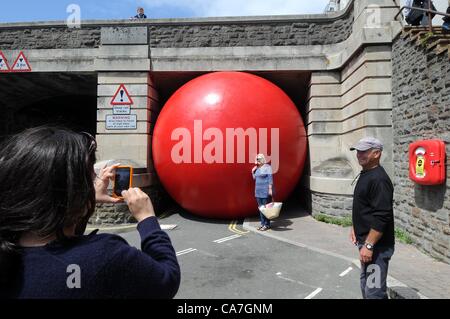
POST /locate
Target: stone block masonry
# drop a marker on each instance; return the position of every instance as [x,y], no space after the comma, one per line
[421,110]
[49,38]
[184,33]
[229,34]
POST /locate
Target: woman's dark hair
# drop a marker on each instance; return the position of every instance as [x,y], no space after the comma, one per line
[46,184]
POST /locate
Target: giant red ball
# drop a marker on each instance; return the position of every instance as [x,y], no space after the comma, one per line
[207,136]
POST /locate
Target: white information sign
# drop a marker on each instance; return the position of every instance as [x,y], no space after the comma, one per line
[121,109]
[121,122]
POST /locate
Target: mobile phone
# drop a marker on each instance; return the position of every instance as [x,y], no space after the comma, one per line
[123,179]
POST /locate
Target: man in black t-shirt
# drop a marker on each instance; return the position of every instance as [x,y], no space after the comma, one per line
[373,219]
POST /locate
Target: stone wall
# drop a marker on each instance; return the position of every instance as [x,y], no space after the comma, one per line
[331,204]
[183,33]
[116,214]
[49,38]
[273,33]
[421,110]
[342,107]
[128,146]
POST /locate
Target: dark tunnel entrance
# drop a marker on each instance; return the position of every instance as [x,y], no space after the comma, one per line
[62,99]
[294,83]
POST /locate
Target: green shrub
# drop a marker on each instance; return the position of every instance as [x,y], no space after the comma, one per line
[402,236]
[345,221]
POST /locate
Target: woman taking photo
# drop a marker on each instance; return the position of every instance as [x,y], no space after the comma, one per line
[47,195]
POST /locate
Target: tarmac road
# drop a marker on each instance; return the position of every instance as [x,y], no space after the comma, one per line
[221,260]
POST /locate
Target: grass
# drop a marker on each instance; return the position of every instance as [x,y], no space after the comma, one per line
[402,236]
[341,221]
[423,41]
[346,221]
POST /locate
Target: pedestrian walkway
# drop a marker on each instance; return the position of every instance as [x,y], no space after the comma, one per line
[412,274]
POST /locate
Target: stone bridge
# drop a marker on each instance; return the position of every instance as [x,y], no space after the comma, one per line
[336,67]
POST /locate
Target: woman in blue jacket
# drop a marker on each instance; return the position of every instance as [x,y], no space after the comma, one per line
[262,174]
[47,195]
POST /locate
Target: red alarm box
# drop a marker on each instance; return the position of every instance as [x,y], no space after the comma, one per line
[427,162]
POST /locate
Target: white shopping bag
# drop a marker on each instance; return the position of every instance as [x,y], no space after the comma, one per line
[271,210]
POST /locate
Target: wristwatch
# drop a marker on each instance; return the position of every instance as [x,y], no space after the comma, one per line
[368,246]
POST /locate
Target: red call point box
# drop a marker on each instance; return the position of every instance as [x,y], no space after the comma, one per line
[427,162]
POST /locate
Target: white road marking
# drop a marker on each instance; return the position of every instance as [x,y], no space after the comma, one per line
[186,251]
[168,227]
[314,293]
[89,229]
[221,240]
[345,272]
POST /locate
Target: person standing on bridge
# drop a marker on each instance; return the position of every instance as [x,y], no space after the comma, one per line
[373,219]
[416,17]
[47,195]
[412,16]
[262,174]
[446,24]
[140,14]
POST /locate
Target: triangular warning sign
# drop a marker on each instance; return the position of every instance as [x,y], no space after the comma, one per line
[122,97]
[21,64]
[4,67]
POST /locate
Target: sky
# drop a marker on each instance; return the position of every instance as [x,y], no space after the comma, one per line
[56,10]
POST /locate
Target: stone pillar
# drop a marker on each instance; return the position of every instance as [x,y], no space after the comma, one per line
[350,100]
[123,59]
[330,170]
[344,106]
[130,144]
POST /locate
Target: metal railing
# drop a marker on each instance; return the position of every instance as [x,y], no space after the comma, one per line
[429,11]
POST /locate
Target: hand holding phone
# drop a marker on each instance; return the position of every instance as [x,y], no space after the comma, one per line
[101,183]
[139,203]
[123,180]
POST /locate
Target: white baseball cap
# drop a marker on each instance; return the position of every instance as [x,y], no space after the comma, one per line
[367,143]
